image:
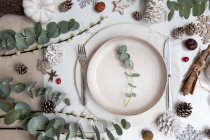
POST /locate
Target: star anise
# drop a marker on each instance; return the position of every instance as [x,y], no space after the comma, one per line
[52,74]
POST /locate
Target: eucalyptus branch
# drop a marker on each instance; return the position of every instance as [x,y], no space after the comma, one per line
[68,39]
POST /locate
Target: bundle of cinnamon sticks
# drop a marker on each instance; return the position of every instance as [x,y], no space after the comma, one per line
[192,75]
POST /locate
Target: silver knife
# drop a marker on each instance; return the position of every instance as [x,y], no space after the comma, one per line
[167,57]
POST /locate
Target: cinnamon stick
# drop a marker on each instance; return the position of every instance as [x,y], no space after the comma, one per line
[191,78]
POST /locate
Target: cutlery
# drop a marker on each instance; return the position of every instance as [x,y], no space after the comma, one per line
[167,57]
[82,61]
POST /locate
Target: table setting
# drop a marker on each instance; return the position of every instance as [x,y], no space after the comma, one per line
[105,70]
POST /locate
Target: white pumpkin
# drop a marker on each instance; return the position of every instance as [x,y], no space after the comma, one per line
[39,10]
[208,71]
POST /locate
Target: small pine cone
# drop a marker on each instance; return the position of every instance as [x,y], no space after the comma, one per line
[21,68]
[207,133]
[48,106]
[137,15]
[184,109]
[178,32]
[65,6]
[190,29]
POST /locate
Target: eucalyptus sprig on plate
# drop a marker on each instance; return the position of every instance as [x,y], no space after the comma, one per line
[129,65]
[39,125]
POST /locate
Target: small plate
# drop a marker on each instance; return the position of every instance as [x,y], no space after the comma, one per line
[108,83]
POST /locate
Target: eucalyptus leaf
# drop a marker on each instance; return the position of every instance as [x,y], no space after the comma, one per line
[82,133]
[9,37]
[24,109]
[51,132]
[75,27]
[198,7]
[109,134]
[128,64]
[124,56]
[170,15]
[133,94]
[135,75]
[20,42]
[19,87]
[59,131]
[41,92]
[71,24]
[131,85]
[126,125]
[122,49]
[11,117]
[5,89]
[30,37]
[29,89]
[73,127]
[67,102]
[4,106]
[128,95]
[95,129]
[64,26]
[43,38]
[38,29]
[118,129]
[37,123]
[52,28]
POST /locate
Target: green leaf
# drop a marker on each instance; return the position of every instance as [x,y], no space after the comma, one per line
[128,95]
[38,29]
[122,49]
[29,36]
[41,92]
[198,7]
[172,5]
[64,26]
[109,134]
[73,127]
[82,132]
[71,24]
[170,15]
[118,129]
[29,89]
[5,89]
[95,129]
[9,37]
[55,123]
[4,106]
[59,131]
[43,38]
[20,41]
[131,85]
[124,56]
[52,28]
[11,117]
[24,109]
[50,132]
[126,125]
[135,75]
[67,102]
[128,64]
[133,94]
[19,87]
[37,123]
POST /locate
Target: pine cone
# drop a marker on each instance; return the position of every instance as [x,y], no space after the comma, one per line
[137,15]
[190,29]
[65,6]
[207,133]
[21,68]
[184,109]
[168,124]
[178,32]
[48,106]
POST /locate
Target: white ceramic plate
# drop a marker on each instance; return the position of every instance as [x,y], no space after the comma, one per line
[108,83]
[100,38]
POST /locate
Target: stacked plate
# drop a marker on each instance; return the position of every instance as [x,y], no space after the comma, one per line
[106,79]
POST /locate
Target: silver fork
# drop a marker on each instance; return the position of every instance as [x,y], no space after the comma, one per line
[82,61]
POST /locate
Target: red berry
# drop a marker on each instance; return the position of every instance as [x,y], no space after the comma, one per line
[100,6]
[58,81]
[185,59]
